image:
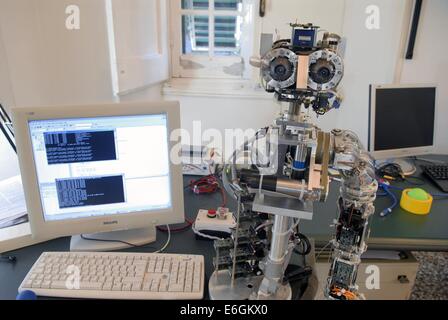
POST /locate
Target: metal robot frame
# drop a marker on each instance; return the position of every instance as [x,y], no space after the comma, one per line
[288,172]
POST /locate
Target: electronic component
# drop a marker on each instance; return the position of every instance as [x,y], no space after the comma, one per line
[242,269]
[279,68]
[350,228]
[115,275]
[438,174]
[243,252]
[395,113]
[326,70]
[84,169]
[342,273]
[304,36]
[198,160]
[214,223]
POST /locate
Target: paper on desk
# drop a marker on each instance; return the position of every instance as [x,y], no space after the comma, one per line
[12,202]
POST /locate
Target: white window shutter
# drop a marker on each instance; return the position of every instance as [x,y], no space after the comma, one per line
[140,42]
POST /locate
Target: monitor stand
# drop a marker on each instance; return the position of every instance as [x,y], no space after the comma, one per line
[137,237]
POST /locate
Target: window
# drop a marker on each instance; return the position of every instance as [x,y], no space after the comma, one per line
[212,38]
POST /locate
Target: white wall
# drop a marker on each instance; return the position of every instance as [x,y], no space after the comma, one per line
[224,113]
[18,23]
[76,62]
[49,64]
[370,57]
[6,93]
[323,13]
[430,63]
[140,29]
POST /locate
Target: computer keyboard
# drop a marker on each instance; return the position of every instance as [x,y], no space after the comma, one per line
[116,275]
[438,174]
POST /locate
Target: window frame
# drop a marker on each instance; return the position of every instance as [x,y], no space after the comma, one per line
[212,66]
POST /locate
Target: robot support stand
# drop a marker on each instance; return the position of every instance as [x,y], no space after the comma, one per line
[271,286]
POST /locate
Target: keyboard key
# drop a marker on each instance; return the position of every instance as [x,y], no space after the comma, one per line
[116,287]
[90,286]
[107,286]
[58,285]
[147,285]
[126,287]
[136,286]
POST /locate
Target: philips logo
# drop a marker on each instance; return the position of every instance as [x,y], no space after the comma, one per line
[110,222]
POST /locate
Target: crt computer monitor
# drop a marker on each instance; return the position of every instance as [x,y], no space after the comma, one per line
[100,168]
[402,120]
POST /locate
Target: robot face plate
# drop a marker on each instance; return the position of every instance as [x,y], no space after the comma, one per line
[304,72]
[279,68]
[326,70]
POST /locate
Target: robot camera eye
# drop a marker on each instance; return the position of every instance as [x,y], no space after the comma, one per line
[281,69]
[325,70]
[278,68]
[322,71]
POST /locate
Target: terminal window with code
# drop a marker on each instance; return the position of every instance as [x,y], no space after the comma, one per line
[101,166]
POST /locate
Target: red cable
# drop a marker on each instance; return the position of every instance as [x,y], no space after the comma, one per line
[187,221]
[205,185]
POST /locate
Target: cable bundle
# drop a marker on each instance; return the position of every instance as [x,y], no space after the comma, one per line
[207,184]
[204,185]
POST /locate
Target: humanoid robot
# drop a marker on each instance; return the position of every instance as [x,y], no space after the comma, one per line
[288,172]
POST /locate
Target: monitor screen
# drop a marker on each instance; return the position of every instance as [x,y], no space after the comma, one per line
[89,167]
[404,118]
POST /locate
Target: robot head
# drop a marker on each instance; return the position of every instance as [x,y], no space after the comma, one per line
[302,69]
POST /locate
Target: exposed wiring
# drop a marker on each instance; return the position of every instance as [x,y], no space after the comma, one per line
[389,209]
[263,225]
[188,223]
[390,171]
[394,172]
[387,189]
[11,259]
[290,229]
[167,241]
[432,194]
[207,185]
[199,233]
[204,185]
[348,295]
[115,241]
[322,249]
[304,243]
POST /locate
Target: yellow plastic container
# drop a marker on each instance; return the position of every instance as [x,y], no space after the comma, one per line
[416,205]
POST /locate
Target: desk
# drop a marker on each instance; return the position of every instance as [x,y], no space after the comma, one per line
[398,231]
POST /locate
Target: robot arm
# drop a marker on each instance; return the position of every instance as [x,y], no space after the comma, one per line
[357,194]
